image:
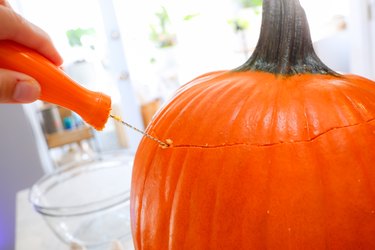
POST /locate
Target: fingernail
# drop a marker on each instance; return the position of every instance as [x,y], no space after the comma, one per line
[26,91]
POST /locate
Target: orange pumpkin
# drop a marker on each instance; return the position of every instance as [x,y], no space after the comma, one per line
[276,154]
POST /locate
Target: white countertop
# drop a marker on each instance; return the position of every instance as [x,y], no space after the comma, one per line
[32,232]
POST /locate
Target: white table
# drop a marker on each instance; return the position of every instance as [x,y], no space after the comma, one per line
[32,232]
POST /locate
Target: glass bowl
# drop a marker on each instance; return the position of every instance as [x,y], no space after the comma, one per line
[86,205]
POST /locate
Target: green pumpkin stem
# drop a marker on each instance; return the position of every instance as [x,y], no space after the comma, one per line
[284,46]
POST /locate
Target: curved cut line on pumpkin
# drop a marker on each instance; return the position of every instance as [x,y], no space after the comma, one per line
[369,122]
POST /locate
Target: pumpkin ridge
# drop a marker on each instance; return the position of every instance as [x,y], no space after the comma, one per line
[192,86]
[172,207]
[321,103]
[369,122]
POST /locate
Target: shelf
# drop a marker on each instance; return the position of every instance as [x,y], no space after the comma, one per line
[69,136]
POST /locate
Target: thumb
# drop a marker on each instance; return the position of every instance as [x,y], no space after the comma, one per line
[16,87]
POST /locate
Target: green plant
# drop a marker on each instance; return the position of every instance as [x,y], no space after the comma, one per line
[75,35]
[250,3]
[239,24]
[161,33]
[190,16]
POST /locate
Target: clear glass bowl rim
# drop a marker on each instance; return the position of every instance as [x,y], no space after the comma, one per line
[79,210]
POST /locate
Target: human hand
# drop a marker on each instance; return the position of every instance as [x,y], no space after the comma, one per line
[16,87]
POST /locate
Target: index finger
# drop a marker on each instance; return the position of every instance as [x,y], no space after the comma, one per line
[16,28]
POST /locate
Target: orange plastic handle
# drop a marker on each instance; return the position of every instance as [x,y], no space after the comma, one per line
[56,86]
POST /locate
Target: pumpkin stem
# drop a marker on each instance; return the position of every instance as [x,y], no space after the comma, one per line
[285,46]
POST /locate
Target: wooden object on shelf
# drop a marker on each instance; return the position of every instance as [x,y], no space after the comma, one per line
[149,109]
[69,136]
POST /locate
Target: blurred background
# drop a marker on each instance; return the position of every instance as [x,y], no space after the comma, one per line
[139,53]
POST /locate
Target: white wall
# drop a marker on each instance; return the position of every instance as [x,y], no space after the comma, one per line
[372,28]
[334,51]
[362,33]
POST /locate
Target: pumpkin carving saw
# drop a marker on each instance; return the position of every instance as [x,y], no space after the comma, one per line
[278,153]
